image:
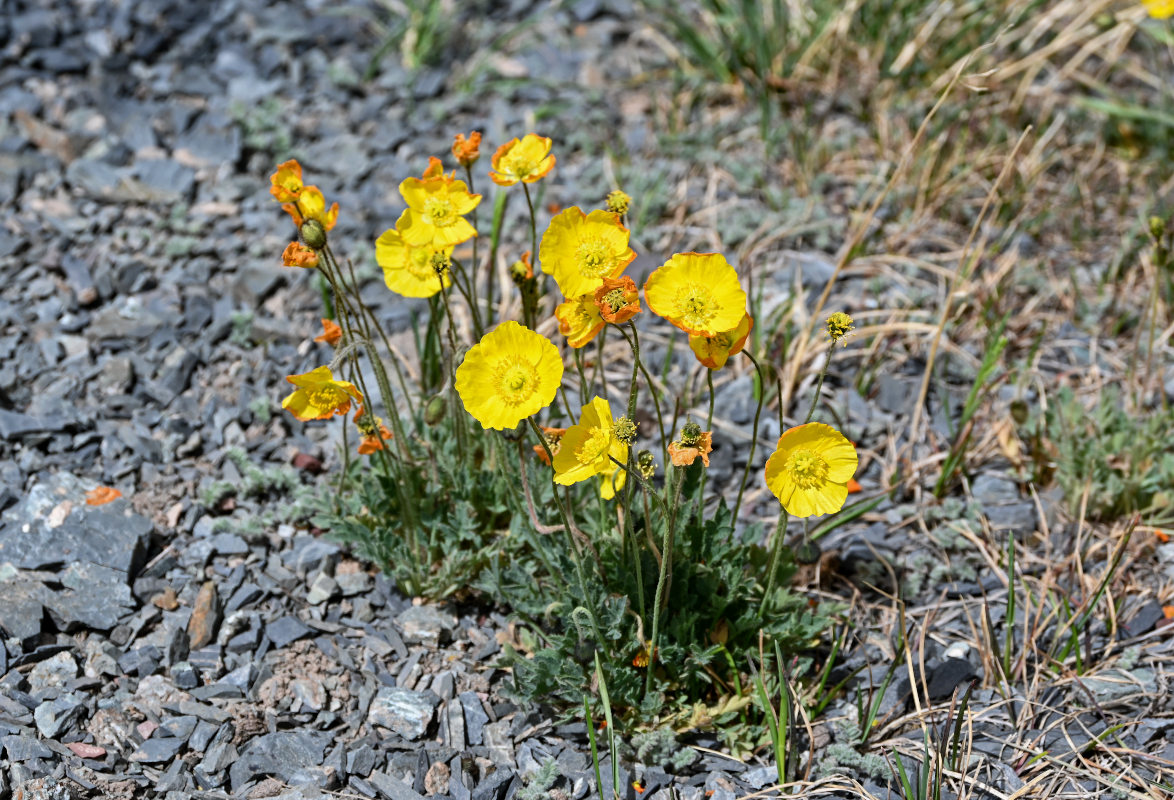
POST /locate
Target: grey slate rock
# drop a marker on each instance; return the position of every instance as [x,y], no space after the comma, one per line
[94,597]
[425,624]
[21,609]
[14,425]
[286,630]
[475,717]
[283,754]
[54,716]
[53,672]
[19,747]
[109,535]
[404,711]
[158,749]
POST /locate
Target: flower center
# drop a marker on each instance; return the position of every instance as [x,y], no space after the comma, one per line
[594,446]
[696,306]
[593,258]
[516,381]
[808,469]
[327,397]
[615,300]
[439,211]
[419,264]
[518,165]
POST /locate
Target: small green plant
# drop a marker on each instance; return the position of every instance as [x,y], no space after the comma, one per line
[1118,455]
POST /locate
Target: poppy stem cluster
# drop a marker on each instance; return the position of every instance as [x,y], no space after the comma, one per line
[510,374]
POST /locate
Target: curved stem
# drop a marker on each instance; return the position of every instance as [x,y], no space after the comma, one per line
[476,263]
[754,432]
[819,384]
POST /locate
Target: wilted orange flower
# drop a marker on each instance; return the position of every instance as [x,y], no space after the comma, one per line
[319,395]
[526,160]
[311,204]
[297,254]
[102,495]
[331,333]
[682,455]
[618,300]
[466,151]
[373,430]
[579,320]
[554,440]
[714,351]
[287,182]
[853,486]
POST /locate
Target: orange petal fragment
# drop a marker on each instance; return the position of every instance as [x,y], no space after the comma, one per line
[102,495]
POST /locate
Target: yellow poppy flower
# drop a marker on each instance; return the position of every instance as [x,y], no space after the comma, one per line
[435,212]
[527,160]
[810,469]
[579,320]
[511,374]
[697,292]
[618,300]
[714,351]
[312,205]
[319,395]
[580,250]
[408,270]
[588,447]
[610,483]
[297,254]
[286,182]
[1159,9]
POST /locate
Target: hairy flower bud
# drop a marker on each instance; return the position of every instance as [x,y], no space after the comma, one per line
[314,234]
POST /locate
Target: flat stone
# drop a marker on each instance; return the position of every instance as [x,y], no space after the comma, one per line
[20,747]
[21,609]
[158,749]
[283,754]
[407,712]
[167,180]
[53,672]
[54,716]
[94,597]
[425,624]
[475,717]
[109,535]
[286,630]
[14,425]
[392,789]
[353,583]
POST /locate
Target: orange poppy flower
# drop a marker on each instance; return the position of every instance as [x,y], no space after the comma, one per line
[683,455]
[853,486]
[715,351]
[618,299]
[373,430]
[554,440]
[331,333]
[466,151]
[297,254]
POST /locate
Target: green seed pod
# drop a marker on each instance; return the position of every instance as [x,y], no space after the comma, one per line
[313,234]
[434,411]
[1019,412]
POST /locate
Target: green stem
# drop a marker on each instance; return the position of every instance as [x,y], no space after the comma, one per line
[754,431]
[576,556]
[708,427]
[776,554]
[476,263]
[529,299]
[666,559]
[819,384]
[468,290]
